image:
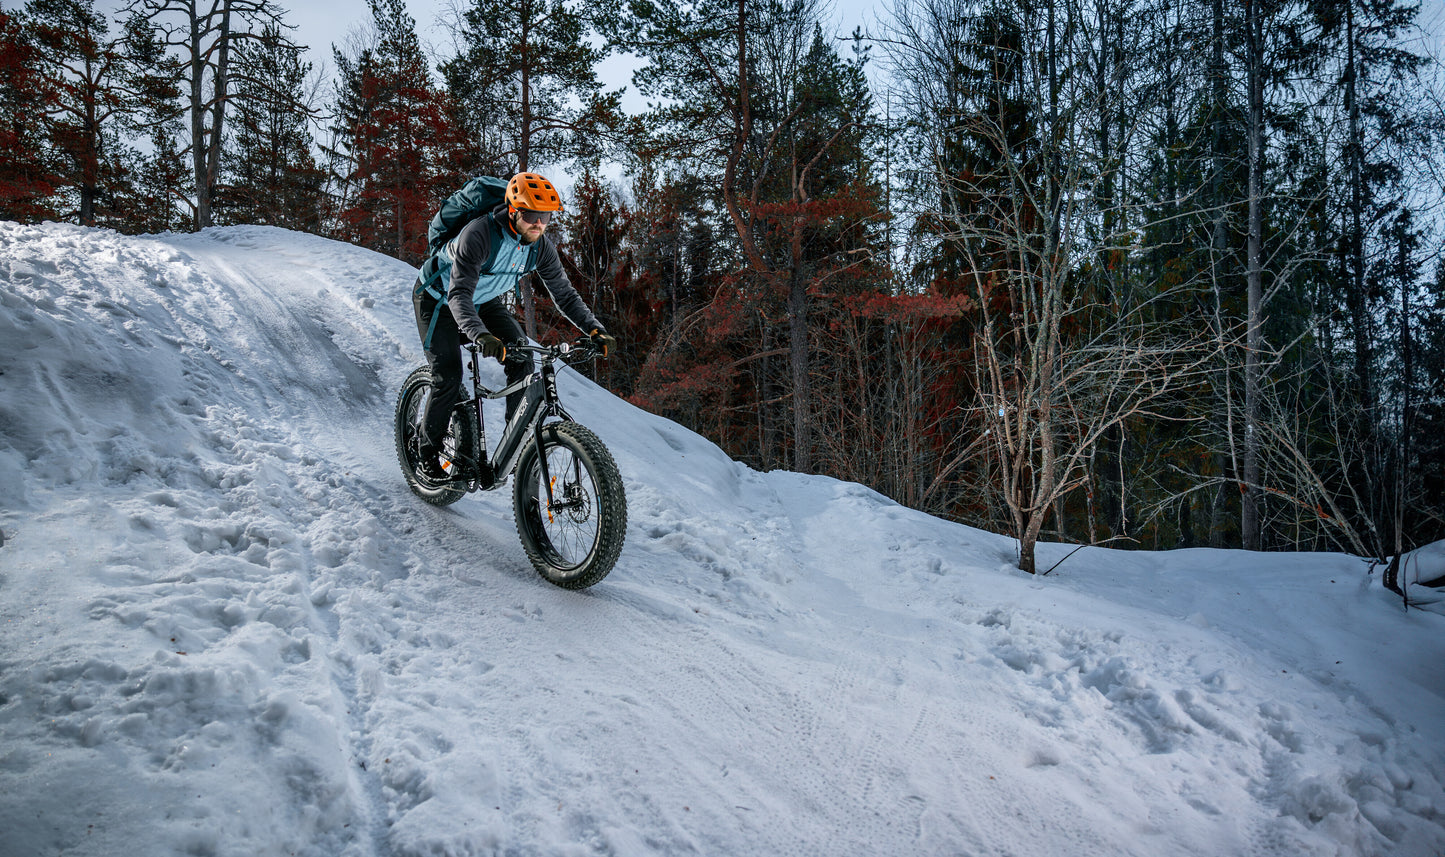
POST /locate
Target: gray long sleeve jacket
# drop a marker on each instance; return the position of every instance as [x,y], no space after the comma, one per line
[470,285]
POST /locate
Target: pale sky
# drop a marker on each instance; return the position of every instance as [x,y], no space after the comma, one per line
[319,25]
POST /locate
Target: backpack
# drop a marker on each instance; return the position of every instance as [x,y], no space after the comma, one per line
[476,198]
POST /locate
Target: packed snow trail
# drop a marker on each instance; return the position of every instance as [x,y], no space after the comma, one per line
[227,628]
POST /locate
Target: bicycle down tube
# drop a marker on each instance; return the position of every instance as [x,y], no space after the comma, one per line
[530,414]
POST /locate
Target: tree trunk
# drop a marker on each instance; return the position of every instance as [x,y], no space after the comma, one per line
[1220,246]
[1028,545]
[798,362]
[202,214]
[1249,513]
[94,155]
[1354,155]
[1358,299]
[1407,419]
[221,91]
[527,288]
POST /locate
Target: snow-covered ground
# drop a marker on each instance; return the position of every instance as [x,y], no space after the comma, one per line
[226,627]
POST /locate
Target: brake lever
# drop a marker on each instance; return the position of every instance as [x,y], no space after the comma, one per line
[515,354]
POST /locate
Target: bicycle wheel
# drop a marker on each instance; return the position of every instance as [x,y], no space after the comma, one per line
[574,541]
[461,443]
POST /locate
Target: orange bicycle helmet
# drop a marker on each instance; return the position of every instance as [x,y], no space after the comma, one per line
[531,191]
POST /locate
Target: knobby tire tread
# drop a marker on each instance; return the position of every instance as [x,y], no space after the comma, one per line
[611,507]
[461,428]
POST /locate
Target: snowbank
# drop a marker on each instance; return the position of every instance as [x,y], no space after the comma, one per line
[226,628]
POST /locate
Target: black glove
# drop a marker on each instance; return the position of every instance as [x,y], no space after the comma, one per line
[602,340]
[492,347]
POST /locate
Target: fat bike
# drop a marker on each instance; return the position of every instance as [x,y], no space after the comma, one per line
[567,496]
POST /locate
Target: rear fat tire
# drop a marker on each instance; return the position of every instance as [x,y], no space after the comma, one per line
[460,444]
[575,546]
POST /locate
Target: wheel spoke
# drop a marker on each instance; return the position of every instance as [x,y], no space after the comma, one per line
[568,525]
[573,533]
[457,447]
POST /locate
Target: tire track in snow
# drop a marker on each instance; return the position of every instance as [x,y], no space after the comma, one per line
[314,406]
[307,497]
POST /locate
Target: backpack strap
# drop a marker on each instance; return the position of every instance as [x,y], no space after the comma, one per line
[432,271]
[532,253]
[427,282]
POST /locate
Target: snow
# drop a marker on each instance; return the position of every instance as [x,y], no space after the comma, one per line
[227,628]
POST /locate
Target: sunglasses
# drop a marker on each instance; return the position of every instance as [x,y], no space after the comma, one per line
[542,217]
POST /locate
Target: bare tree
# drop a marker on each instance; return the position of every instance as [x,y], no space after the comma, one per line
[1049,398]
[205,32]
[1027,201]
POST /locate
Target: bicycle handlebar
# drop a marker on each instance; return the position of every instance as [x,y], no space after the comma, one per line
[582,349]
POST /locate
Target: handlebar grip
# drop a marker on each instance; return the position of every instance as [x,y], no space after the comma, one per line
[583,349]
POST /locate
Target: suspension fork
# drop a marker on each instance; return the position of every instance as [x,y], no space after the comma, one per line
[551,406]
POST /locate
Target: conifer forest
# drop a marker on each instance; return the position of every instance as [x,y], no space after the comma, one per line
[1151,273]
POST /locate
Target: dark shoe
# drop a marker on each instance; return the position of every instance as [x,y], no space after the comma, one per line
[430,466]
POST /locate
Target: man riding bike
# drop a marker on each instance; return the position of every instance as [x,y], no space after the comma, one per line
[511,237]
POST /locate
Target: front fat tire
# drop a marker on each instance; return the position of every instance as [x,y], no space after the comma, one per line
[576,547]
[461,441]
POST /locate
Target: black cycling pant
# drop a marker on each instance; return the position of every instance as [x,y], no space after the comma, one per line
[445,359]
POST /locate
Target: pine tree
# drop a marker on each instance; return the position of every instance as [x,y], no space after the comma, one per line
[28,174]
[756,116]
[526,92]
[674,275]
[599,267]
[1375,83]
[525,83]
[1427,435]
[398,153]
[85,68]
[271,175]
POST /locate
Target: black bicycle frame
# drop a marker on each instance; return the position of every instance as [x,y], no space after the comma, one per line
[540,402]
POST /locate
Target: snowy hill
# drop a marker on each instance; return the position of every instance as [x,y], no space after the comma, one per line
[227,628]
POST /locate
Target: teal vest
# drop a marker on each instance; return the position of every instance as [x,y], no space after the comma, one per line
[506,264]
